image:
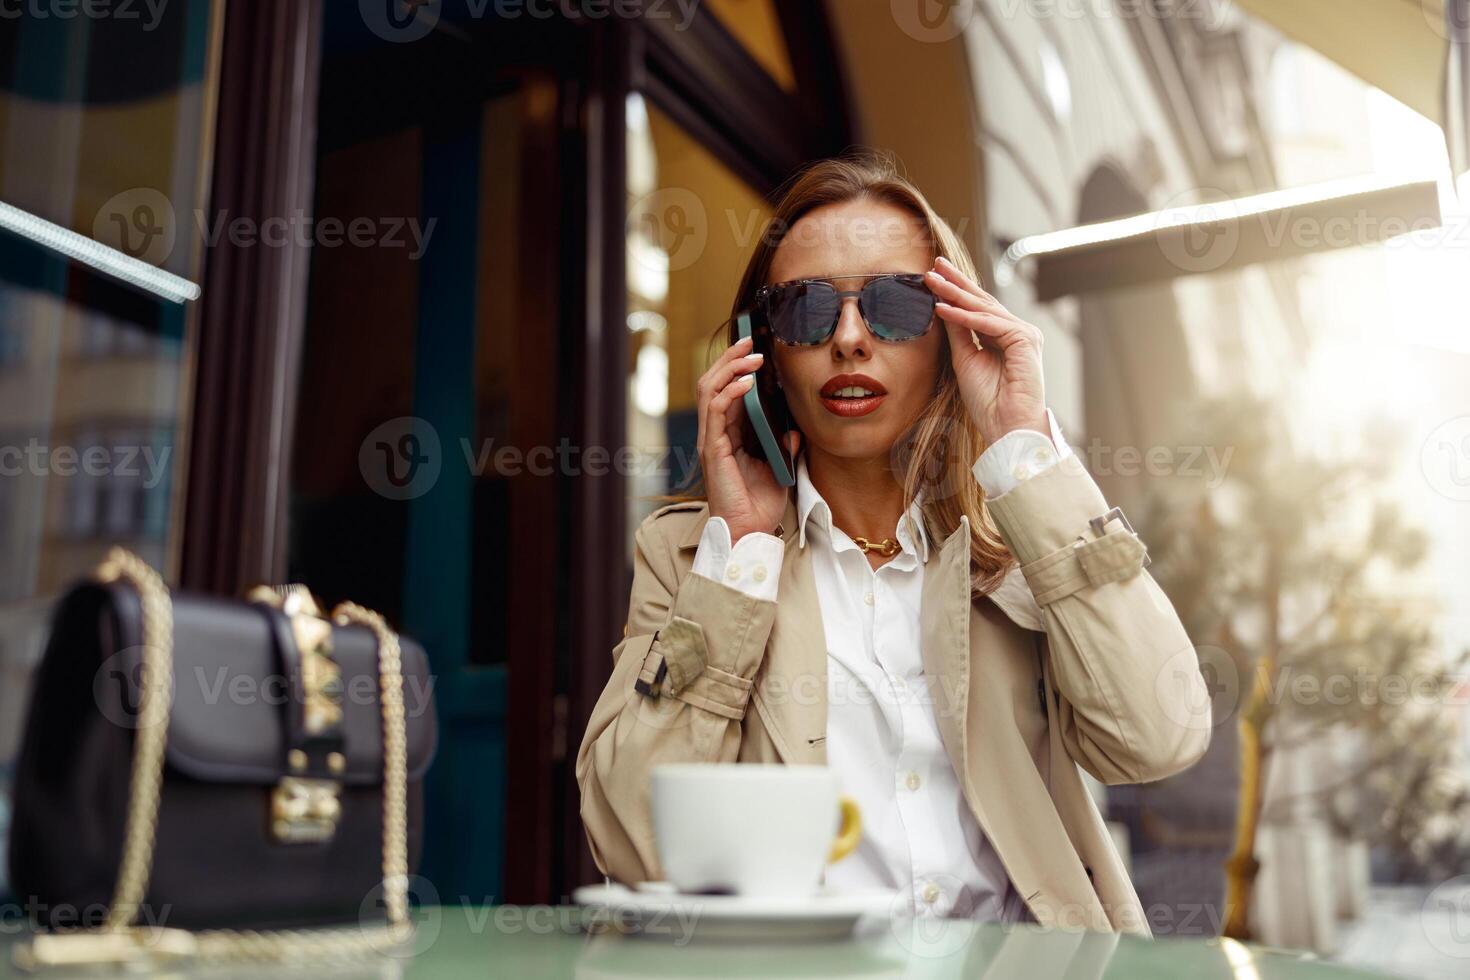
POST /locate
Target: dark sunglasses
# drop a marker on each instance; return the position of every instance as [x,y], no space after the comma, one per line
[804,312]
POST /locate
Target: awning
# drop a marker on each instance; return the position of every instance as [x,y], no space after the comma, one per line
[1407,48]
[1219,236]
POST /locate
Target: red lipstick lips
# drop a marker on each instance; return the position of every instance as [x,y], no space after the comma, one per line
[852,395]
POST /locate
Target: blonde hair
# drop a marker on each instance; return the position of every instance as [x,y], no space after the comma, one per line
[937,451]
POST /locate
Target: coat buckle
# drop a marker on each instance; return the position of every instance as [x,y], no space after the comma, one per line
[1098,523]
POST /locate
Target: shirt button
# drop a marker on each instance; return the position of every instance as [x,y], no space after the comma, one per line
[1042,456]
[1020,472]
[759,574]
[868,598]
[912,782]
[733,572]
[931,893]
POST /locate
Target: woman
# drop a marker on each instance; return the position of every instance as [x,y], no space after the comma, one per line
[943,608]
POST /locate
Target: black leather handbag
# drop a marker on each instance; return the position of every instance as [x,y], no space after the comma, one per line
[201,777]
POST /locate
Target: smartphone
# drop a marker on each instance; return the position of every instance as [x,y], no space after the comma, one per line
[767,418]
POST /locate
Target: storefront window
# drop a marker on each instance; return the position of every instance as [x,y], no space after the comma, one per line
[104,124]
[692,225]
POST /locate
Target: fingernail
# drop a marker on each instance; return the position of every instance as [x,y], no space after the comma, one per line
[756,356]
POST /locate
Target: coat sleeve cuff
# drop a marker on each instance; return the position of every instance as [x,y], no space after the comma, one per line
[1048,511]
[1019,455]
[752,566]
[709,650]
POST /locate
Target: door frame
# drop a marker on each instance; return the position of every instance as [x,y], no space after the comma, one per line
[710,85]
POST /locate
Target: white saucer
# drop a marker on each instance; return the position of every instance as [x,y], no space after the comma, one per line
[657,910]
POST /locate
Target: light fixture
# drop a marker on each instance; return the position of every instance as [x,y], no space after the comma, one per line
[103,258]
[1213,236]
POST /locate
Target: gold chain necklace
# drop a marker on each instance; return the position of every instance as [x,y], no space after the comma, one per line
[888,547]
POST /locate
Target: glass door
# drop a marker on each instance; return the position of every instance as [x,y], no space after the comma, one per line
[426,477]
[692,225]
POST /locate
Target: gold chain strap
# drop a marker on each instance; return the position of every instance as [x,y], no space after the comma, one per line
[146,782]
[120,940]
[395,759]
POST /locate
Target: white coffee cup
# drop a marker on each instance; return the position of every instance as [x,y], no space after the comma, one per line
[753,829]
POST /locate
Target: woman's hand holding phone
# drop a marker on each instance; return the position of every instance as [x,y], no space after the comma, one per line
[738,481]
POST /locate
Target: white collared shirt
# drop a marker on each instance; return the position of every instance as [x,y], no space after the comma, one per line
[919,834]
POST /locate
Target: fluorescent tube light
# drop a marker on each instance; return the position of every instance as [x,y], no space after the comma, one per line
[101,257]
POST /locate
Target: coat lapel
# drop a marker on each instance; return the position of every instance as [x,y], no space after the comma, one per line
[791,685]
[791,688]
[944,633]
[962,648]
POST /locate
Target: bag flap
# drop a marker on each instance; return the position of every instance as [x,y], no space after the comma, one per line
[228,716]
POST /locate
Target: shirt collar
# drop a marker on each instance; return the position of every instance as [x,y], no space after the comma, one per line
[809,504]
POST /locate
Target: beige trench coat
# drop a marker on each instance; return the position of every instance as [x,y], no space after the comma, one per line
[1077,660]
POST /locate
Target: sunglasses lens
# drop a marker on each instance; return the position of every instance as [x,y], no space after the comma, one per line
[899,308]
[802,313]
